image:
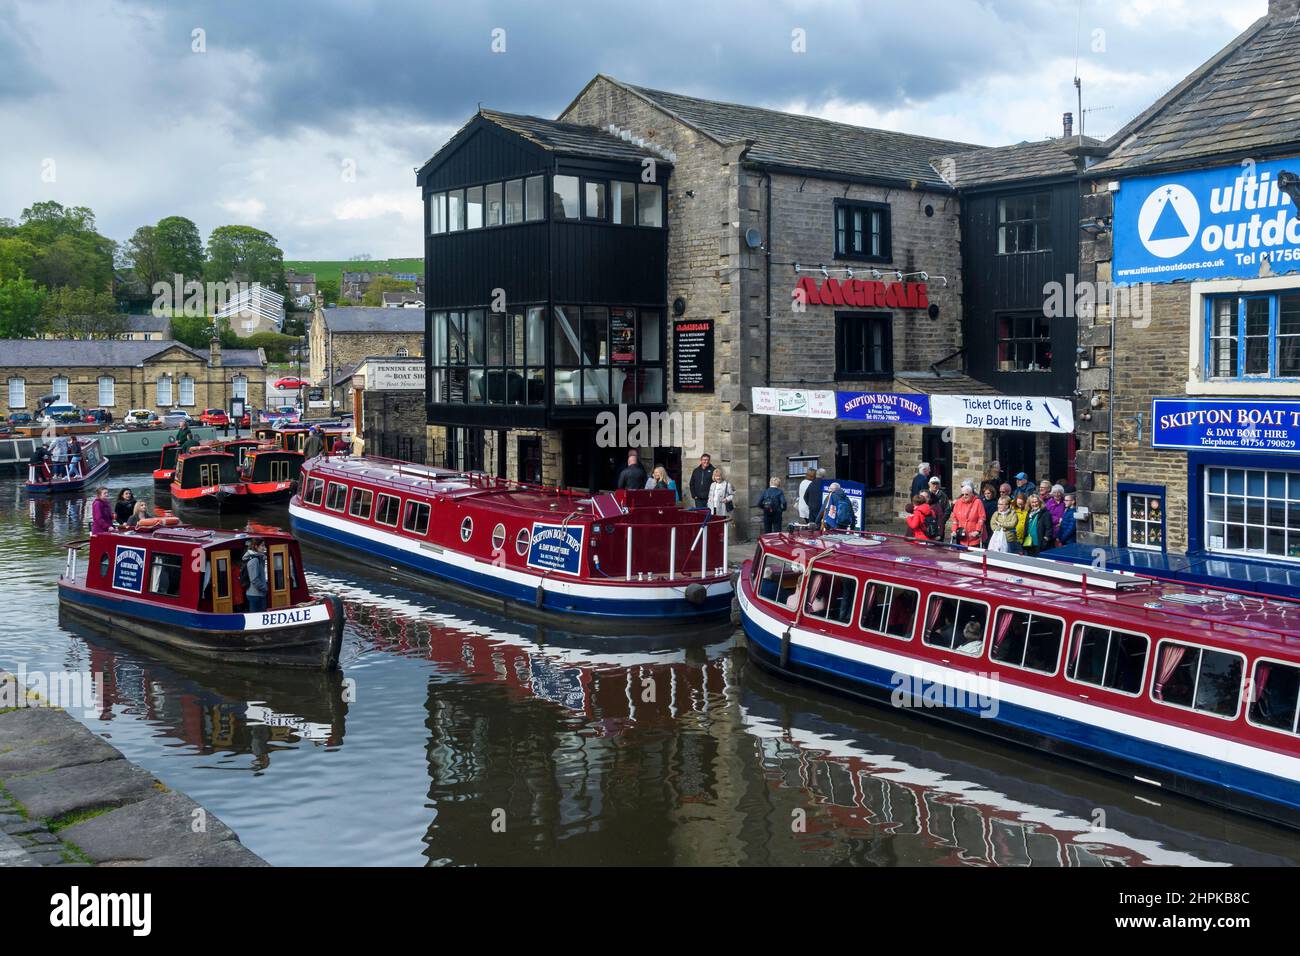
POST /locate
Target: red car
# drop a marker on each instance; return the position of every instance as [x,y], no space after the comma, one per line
[214,416]
[290,382]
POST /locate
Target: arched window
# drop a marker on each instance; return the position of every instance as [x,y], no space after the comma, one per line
[239,387]
[187,390]
[17,394]
[403,352]
[164,393]
[106,384]
[59,386]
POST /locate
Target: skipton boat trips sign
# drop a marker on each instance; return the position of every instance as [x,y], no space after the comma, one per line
[128,569]
[884,407]
[1208,223]
[1016,412]
[556,547]
[1225,424]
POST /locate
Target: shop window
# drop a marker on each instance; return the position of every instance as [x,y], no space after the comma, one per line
[535,206]
[954,624]
[1027,640]
[1253,336]
[1275,694]
[1102,657]
[564,197]
[623,203]
[474,207]
[1144,519]
[1252,511]
[514,201]
[1024,342]
[864,346]
[1023,223]
[862,231]
[1198,678]
[593,199]
[649,205]
[493,210]
[889,610]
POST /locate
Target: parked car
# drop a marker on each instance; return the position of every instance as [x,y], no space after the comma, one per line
[64,413]
[176,418]
[98,416]
[214,416]
[20,418]
[290,382]
[141,418]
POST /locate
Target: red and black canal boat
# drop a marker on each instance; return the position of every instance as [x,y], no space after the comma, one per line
[179,586]
[48,479]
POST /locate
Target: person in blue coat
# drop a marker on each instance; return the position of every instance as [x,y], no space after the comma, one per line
[839,510]
[1066,532]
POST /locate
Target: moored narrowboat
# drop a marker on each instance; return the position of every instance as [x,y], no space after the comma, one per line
[1192,689]
[207,477]
[166,470]
[180,586]
[626,556]
[49,478]
[270,474]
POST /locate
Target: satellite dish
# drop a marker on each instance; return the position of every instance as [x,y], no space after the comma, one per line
[753,238]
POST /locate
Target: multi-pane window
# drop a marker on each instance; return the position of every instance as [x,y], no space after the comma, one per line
[1253,336]
[1146,521]
[388,509]
[416,519]
[955,624]
[239,387]
[1028,640]
[862,231]
[525,200]
[1103,657]
[359,507]
[498,358]
[336,496]
[831,597]
[864,346]
[889,609]
[315,491]
[1023,223]
[106,383]
[1024,343]
[1198,678]
[187,390]
[163,391]
[1252,511]
[59,387]
[17,393]
[607,356]
[1275,694]
[779,581]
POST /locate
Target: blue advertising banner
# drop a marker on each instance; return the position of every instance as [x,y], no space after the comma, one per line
[128,569]
[884,407]
[855,491]
[1225,423]
[553,547]
[1204,224]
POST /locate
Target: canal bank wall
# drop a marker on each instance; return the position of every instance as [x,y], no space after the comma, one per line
[69,798]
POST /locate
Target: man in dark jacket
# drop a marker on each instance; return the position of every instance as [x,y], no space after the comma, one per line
[633,477]
[813,498]
[314,445]
[939,501]
[701,478]
[921,480]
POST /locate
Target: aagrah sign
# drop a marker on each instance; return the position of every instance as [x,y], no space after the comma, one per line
[1230,424]
[863,293]
[794,402]
[1205,224]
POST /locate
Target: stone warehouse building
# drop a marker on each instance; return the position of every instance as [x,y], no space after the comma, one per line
[122,375]
[340,338]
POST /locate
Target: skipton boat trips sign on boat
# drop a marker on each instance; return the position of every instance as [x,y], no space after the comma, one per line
[556,547]
[1235,425]
[1018,412]
[128,569]
[1203,224]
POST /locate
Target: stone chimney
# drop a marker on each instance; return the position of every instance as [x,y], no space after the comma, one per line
[1067,121]
[1283,9]
[214,352]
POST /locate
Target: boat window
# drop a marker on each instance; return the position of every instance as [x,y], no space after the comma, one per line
[1198,678]
[1024,639]
[467,529]
[278,471]
[388,510]
[1275,694]
[889,610]
[361,501]
[223,577]
[315,488]
[417,517]
[165,575]
[336,496]
[955,624]
[1107,658]
[210,473]
[498,537]
[277,571]
[780,581]
[522,540]
[831,597]
[103,565]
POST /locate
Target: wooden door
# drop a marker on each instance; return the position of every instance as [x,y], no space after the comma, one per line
[222,597]
[277,575]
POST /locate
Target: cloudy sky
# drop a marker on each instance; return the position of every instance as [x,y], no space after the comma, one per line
[306,118]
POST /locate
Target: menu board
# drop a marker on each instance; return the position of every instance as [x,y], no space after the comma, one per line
[622,336]
[693,356]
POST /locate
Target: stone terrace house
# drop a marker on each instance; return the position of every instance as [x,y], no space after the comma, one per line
[1194,444]
[122,375]
[343,336]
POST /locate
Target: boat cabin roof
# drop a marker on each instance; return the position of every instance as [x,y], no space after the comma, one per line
[182,539]
[1119,599]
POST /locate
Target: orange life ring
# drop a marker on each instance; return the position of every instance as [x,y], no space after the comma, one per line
[148,524]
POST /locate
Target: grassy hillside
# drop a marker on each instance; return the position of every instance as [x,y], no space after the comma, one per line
[327,269]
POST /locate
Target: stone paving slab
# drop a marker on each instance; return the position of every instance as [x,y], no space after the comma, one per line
[159,826]
[67,744]
[225,853]
[12,854]
[84,787]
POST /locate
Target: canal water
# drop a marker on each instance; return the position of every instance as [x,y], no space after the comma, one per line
[457,736]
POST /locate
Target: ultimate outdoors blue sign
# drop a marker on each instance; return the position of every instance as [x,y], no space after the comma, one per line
[128,569]
[1205,224]
[554,547]
[884,407]
[855,491]
[1225,424]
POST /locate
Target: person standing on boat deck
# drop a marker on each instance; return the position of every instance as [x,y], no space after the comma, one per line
[772,503]
[813,498]
[74,457]
[40,463]
[968,518]
[921,480]
[801,505]
[101,512]
[314,445]
[59,458]
[125,506]
[722,496]
[633,476]
[255,568]
[701,481]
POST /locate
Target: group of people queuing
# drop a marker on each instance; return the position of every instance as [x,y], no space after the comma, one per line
[60,460]
[1023,518]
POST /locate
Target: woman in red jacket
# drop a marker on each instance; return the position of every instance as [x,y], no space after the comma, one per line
[968,518]
[917,519]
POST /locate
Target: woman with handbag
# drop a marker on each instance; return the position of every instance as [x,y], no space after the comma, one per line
[722,496]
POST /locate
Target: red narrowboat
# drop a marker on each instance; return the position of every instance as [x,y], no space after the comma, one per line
[166,470]
[180,587]
[625,556]
[270,474]
[1193,689]
[207,477]
[51,478]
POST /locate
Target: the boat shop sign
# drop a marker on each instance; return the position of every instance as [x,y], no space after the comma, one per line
[394,376]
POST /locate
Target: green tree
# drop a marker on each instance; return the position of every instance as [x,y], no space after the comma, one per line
[180,246]
[196,332]
[145,257]
[21,301]
[245,254]
[73,313]
[277,345]
[381,284]
[328,289]
[16,257]
[69,252]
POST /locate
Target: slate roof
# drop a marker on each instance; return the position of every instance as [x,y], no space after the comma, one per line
[146,323]
[1044,159]
[571,139]
[807,142]
[944,383]
[83,353]
[1241,101]
[243,358]
[348,319]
